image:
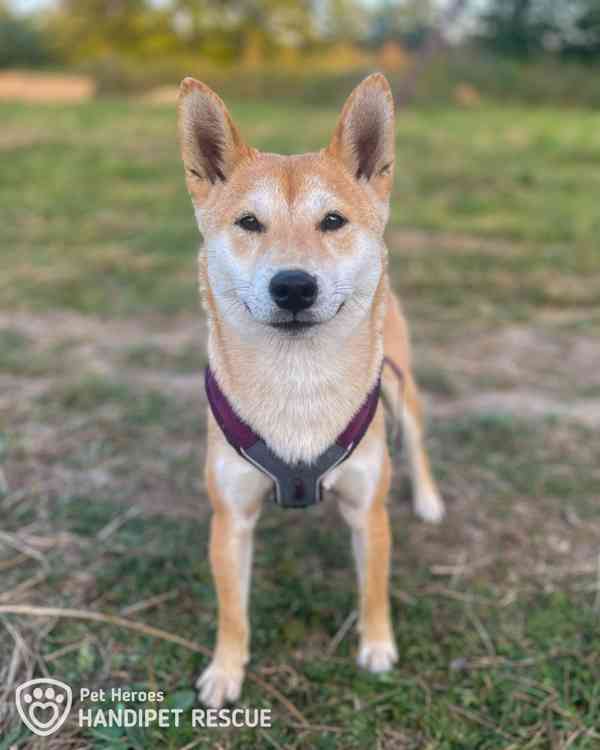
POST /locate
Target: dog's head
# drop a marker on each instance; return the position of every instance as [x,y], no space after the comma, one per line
[293,243]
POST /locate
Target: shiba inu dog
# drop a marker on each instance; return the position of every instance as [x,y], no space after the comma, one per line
[300,318]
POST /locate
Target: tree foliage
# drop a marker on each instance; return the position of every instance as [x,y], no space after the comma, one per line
[136,33]
[21,43]
[526,28]
[218,30]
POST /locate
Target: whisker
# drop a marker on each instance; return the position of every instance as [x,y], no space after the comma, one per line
[236,289]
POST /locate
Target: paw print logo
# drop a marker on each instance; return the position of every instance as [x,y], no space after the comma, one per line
[43,704]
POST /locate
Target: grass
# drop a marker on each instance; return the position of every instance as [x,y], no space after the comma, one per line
[189,360]
[493,239]
[102,224]
[492,657]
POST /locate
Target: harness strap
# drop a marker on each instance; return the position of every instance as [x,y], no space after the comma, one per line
[297,485]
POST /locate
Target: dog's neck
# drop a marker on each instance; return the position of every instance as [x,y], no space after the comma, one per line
[300,393]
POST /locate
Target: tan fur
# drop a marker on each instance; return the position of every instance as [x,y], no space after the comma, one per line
[300,391]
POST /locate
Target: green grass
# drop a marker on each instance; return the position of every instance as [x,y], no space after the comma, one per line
[497,657]
[96,217]
[190,360]
[494,249]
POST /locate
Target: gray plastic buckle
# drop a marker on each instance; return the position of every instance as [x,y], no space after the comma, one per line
[296,485]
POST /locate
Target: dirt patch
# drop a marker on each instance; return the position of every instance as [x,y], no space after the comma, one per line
[161,95]
[529,356]
[45,87]
[526,404]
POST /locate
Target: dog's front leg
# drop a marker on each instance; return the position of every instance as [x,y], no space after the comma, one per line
[363,493]
[236,491]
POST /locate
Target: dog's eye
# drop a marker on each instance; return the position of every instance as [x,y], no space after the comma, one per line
[250,223]
[332,221]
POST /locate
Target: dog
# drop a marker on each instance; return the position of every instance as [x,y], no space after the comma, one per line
[303,333]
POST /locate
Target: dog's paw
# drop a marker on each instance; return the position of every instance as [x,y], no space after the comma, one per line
[429,506]
[377,656]
[218,685]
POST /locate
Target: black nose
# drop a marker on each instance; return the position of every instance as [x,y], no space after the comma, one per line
[293,290]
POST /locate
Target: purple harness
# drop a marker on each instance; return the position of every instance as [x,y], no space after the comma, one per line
[297,485]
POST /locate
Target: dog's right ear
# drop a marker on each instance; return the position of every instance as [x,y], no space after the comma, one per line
[211,145]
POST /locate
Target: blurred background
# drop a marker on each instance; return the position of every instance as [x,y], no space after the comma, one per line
[493,241]
[533,51]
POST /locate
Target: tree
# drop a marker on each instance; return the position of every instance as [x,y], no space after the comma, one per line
[581,35]
[517,28]
[219,30]
[435,40]
[88,29]
[21,42]
[526,28]
[408,22]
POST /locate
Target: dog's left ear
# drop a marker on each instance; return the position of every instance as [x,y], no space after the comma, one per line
[364,137]
[211,144]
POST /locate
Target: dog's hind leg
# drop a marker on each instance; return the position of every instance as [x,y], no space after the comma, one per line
[427,502]
[402,395]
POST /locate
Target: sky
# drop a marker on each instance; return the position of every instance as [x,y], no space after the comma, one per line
[26,6]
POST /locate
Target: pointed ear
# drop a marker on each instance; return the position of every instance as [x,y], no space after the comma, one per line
[364,137]
[211,145]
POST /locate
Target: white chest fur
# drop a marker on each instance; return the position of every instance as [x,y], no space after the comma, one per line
[298,395]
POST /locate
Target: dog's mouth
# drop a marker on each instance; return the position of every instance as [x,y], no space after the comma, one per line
[296,325]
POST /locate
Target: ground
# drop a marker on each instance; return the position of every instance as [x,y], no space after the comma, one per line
[493,249]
